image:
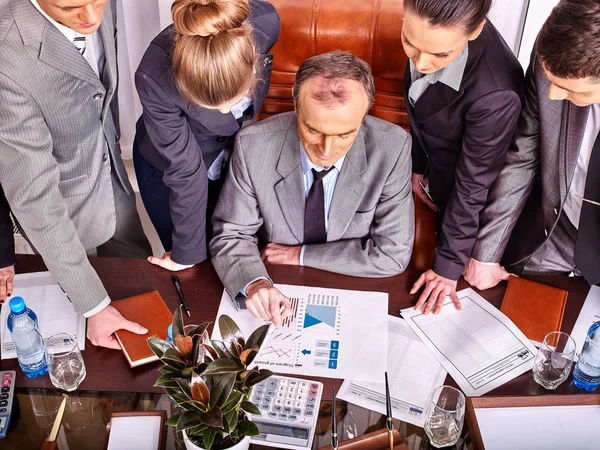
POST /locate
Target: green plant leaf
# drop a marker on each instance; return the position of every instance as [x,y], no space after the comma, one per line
[257,337]
[221,350]
[200,329]
[251,408]
[184,385]
[209,437]
[166,381]
[158,346]
[222,366]
[177,328]
[234,399]
[248,355]
[248,428]
[222,389]
[213,417]
[199,351]
[212,351]
[172,421]
[168,370]
[188,420]
[257,377]
[246,373]
[231,334]
[172,358]
[231,420]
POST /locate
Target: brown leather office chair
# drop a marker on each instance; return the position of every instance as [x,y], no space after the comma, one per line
[370,29]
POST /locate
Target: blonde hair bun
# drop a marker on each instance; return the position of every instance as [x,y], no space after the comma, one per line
[210,17]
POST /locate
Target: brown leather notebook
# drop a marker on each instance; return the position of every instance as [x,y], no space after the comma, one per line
[535,308]
[150,311]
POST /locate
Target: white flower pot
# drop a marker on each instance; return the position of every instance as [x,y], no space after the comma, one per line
[244,444]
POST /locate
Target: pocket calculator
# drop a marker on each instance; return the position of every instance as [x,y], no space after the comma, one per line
[7,379]
[290,407]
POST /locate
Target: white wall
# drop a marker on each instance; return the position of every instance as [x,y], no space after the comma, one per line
[508,16]
[538,12]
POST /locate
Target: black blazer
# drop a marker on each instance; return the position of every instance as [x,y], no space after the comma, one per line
[182,139]
[7,240]
[460,140]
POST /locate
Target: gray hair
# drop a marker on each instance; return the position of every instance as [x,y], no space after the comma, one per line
[335,66]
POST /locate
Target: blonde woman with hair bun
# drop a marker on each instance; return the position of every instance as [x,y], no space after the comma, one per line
[198,81]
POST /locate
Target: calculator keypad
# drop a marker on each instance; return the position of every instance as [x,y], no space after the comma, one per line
[286,399]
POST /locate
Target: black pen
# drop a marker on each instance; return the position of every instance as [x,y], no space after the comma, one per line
[424,188]
[388,409]
[177,284]
[334,439]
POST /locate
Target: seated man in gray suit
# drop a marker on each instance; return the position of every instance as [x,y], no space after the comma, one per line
[325,186]
[548,193]
[60,166]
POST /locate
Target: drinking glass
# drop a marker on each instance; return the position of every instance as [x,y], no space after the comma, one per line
[445,416]
[65,363]
[554,359]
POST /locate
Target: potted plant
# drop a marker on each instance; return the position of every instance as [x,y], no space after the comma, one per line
[211,381]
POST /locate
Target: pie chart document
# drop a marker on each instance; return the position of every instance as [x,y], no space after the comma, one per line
[331,333]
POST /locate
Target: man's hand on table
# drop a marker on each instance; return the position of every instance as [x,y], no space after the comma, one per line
[436,290]
[102,325]
[167,263]
[265,301]
[281,254]
[7,274]
[484,276]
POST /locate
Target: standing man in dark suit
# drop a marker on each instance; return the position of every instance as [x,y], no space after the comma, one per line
[547,197]
[463,88]
[199,80]
[60,168]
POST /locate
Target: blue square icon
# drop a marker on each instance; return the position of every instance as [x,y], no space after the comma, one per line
[335,345]
[333,354]
[333,364]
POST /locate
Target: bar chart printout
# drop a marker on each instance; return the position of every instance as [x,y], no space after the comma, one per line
[479,346]
[413,373]
[326,334]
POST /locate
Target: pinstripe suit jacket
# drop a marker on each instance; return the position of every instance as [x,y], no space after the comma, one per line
[58,144]
[525,203]
[371,219]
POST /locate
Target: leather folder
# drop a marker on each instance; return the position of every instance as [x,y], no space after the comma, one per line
[150,311]
[536,309]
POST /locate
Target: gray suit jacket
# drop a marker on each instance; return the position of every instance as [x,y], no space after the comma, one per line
[371,220]
[527,199]
[58,144]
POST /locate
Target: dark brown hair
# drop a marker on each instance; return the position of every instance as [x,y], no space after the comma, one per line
[214,56]
[335,66]
[569,42]
[467,14]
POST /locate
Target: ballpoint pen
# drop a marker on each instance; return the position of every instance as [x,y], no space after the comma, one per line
[177,284]
[269,332]
[334,438]
[388,410]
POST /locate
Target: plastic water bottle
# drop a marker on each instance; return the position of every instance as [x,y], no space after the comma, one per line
[23,326]
[587,371]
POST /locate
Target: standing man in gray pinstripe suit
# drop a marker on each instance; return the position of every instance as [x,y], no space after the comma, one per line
[60,165]
[548,193]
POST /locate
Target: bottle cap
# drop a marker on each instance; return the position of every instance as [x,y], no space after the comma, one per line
[17,305]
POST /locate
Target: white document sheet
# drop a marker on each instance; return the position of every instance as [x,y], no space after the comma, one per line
[135,432]
[540,427]
[54,311]
[479,346]
[413,374]
[589,314]
[331,333]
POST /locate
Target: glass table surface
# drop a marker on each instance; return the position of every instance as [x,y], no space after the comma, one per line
[86,415]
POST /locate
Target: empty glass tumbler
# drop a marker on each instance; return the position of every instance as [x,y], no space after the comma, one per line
[445,416]
[554,360]
[65,363]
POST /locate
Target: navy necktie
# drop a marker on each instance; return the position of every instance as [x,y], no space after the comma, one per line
[587,248]
[314,214]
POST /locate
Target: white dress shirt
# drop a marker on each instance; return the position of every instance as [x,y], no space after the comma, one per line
[94,54]
[573,202]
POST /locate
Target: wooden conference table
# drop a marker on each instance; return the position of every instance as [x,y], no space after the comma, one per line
[110,384]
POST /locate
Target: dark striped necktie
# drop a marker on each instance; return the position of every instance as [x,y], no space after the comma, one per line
[314,214]
[79,42]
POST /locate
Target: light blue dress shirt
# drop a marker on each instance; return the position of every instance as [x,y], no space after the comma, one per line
[328,188]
